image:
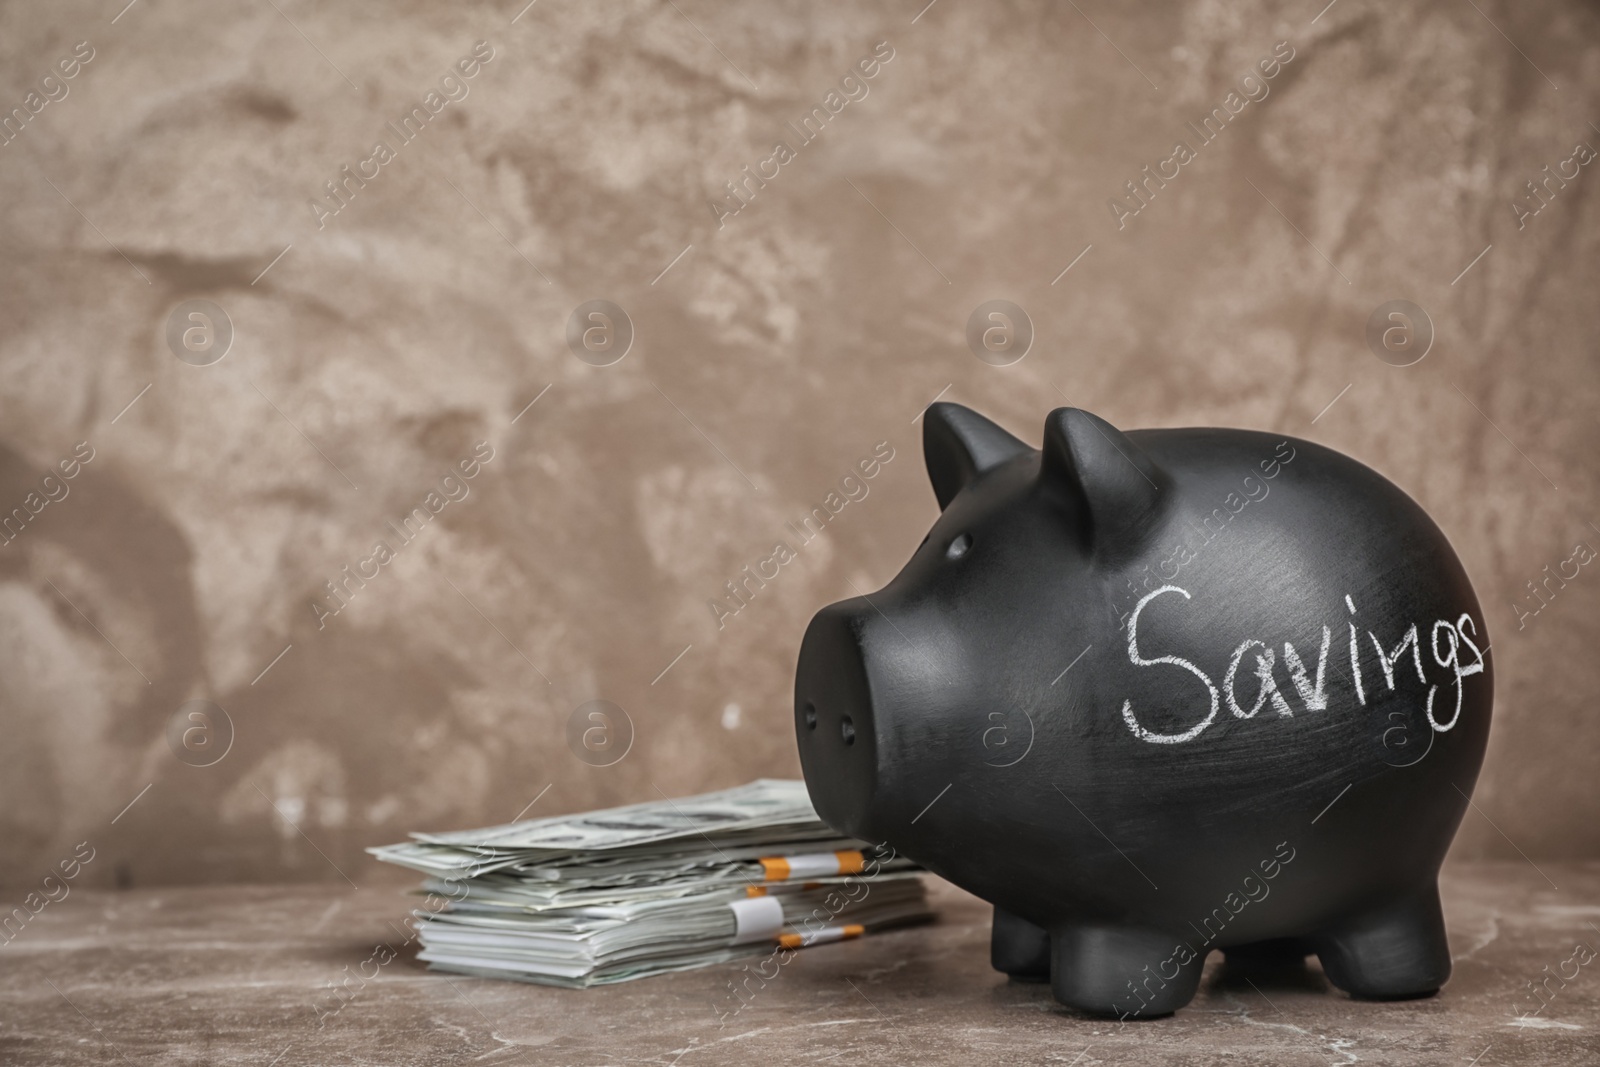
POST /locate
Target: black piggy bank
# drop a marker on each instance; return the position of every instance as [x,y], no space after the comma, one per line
[1158,693]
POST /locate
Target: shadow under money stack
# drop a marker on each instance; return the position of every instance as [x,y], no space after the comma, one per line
[669,885]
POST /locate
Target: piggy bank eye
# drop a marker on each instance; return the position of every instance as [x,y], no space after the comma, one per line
[958,547]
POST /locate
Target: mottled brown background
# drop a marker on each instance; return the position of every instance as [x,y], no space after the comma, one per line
[769,358]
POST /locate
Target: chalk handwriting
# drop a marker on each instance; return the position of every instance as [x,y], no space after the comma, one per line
[1445,641]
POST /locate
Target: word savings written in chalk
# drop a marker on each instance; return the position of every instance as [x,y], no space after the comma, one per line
[1445,640]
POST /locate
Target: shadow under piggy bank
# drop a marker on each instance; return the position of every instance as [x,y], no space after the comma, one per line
[1144,693]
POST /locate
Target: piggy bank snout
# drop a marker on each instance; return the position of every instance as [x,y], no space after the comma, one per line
[834,717]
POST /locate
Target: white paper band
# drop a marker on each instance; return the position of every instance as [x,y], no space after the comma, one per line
[813,865]
[827,934]
[756,919]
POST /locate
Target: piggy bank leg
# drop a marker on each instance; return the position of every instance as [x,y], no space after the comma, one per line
[1019,948]
[1390,953]
[1128,973]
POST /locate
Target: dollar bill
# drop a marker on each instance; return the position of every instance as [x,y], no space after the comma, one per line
[665,885]
[765,804]
[599,945]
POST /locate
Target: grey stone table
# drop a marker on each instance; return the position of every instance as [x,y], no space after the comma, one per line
[243,975]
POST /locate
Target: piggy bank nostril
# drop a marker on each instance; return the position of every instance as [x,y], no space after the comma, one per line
[847,730]
[811,716]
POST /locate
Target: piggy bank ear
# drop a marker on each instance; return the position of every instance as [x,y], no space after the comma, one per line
[1118,487]
[958,444]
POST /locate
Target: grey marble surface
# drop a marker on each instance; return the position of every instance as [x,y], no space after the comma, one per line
[242,975]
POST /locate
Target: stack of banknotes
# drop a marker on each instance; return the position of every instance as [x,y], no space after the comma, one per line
[669,885]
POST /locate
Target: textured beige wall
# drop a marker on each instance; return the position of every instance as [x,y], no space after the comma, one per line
[787,342]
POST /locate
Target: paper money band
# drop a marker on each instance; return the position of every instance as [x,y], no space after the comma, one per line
[822,936]
[756,919]
[812,865]
[761,890]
